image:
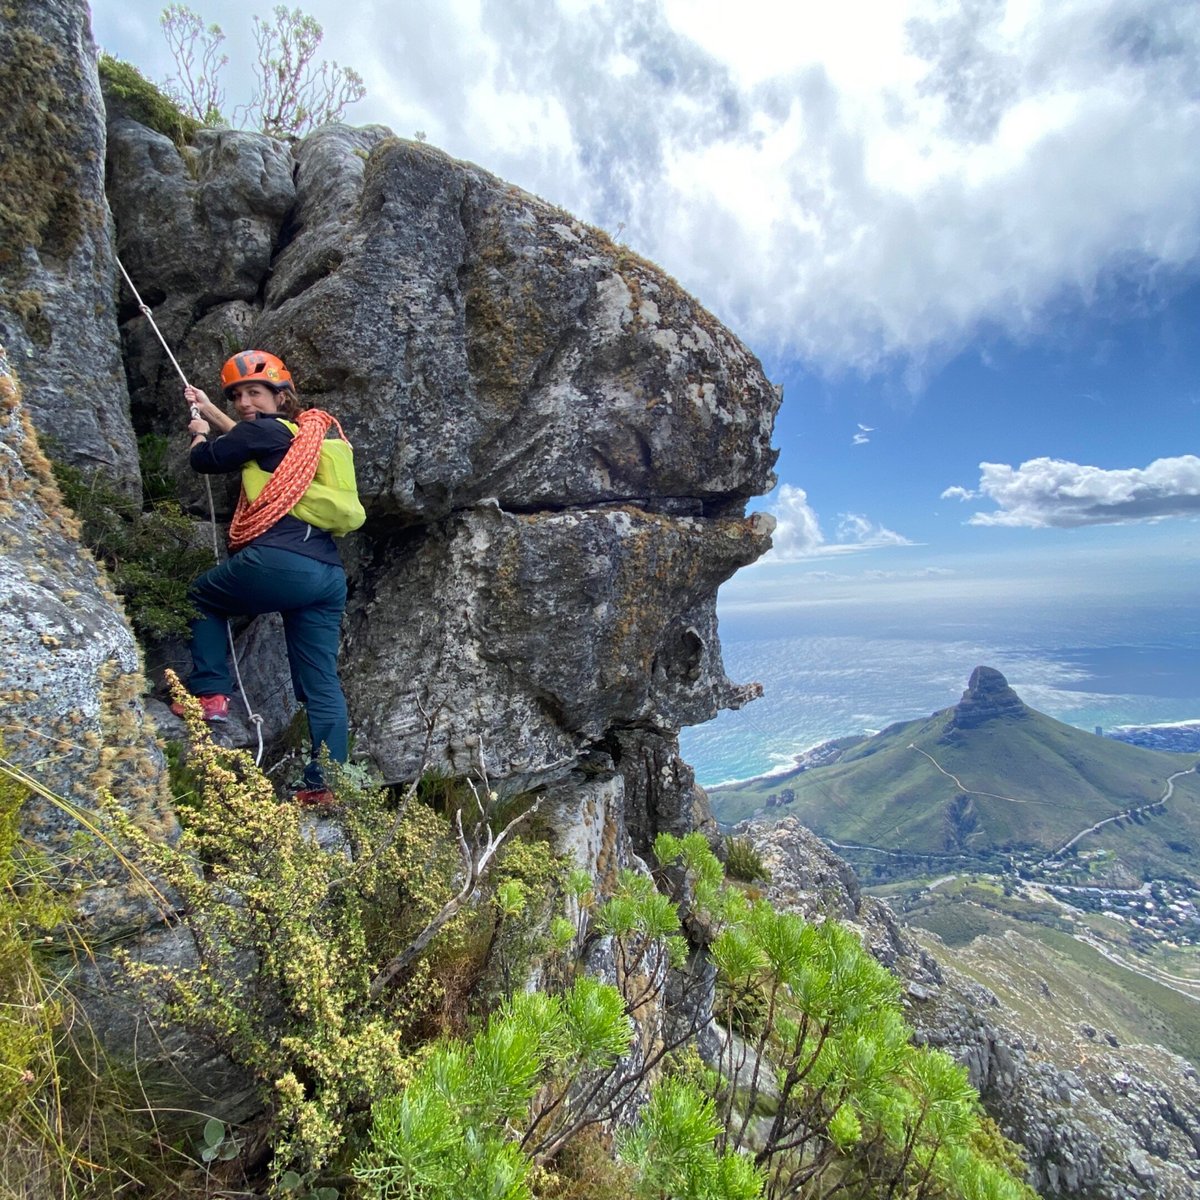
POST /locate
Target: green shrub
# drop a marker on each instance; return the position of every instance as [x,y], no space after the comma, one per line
[463,1126]
[673,1149]
[303,1021]
[151,554]
[818,1072]
[447,1135]
[742,861]
[129,93]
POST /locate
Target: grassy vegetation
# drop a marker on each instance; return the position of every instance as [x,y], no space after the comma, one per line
[129,93]
[1162,844]
[151,552]
[743,862]
[1059,985]
[966,909]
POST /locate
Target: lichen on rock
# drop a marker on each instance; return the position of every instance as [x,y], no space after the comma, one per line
[70,670]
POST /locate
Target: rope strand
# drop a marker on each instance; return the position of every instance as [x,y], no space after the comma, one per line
[254,718]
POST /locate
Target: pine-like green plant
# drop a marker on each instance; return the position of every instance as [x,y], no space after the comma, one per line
[460,1127]
[672,1147]
[815,1039]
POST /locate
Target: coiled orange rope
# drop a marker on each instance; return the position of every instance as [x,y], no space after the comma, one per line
[289,481]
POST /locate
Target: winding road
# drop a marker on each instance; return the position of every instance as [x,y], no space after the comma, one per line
[1121,816]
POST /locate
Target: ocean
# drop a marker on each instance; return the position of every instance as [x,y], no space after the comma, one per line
[835,667]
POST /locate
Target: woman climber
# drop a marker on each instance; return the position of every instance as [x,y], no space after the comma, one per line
[297,491]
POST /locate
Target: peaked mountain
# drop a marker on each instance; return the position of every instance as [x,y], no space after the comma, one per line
[988,774]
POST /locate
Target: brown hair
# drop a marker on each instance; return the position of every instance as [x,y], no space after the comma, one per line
[290,404]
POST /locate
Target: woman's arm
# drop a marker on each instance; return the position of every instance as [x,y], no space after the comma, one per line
[264,440]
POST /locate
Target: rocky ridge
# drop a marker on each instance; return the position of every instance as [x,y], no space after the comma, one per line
[987,697]
[1096,1120]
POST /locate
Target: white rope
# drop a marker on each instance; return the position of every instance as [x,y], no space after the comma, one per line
[254,718]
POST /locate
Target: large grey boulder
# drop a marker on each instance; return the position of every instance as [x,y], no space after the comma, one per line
[57,274]
[554,443]
[536,634]
[483,344]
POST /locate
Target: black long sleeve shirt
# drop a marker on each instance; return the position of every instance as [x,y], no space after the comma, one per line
[265,440]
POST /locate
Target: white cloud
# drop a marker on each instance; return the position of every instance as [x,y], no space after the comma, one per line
[1049,493]
[841,183]
[958,493]
[798,532]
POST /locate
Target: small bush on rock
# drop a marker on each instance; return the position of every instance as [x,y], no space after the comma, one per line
[151,554]
[742,861]
[295,975]
[128,92]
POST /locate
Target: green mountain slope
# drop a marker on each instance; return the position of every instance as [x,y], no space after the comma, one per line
[988,774]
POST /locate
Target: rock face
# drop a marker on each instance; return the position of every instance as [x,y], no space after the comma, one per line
[57,274]
[1095,1120]
[70,675]
[987,697]
[555,445]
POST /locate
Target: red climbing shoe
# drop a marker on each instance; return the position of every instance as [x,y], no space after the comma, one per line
[212,708]
[321,799]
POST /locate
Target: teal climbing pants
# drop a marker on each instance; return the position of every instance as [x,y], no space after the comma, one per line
[311,597]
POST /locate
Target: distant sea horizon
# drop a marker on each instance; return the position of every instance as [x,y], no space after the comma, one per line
[834,671]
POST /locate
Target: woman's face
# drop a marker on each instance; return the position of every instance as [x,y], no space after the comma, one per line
[250,399]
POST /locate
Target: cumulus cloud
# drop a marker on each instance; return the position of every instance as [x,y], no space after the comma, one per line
[841,183]
[1050,493]
[798,532]
[958,493]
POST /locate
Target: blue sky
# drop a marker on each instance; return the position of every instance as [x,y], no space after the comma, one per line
[958,234]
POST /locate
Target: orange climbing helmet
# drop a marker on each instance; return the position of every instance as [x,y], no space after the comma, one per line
[255,366]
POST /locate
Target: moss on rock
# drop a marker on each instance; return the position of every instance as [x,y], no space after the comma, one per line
[41,205]
[128,93]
